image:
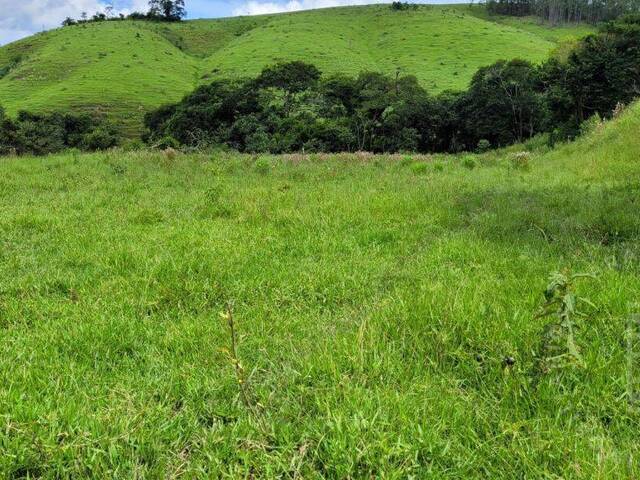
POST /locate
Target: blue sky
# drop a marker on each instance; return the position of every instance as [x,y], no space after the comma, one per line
[20,18]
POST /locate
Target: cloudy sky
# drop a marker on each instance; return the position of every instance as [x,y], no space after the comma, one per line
[20,18]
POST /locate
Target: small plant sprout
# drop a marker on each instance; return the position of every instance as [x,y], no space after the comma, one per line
[248,399]
[558,348]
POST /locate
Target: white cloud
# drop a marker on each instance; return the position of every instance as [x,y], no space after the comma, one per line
[19,18]
[254,7]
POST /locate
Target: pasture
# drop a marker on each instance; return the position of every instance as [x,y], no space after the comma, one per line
[384,314]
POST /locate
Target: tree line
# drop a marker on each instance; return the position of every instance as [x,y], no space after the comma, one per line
[291,107]
[40,134]
[566,11]
[159,10]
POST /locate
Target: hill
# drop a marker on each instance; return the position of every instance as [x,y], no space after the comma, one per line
[123,69]
[384,309]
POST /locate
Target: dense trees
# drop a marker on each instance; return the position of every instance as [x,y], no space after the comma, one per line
[563,11]
[159,10]
[289,107]
[503,105]
[43,134]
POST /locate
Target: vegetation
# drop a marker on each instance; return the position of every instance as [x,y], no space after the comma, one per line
[385,314]
[289,108]
[566,11]
[403,6]
[39,134]
[126,68]
[159,11]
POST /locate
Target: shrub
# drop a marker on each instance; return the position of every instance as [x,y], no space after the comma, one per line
[591,125]
[167,142]
[420,168]
[170,153]
[484,145]
[42,134]
[101,138]
[406,160]
[262,166]
[520,160]
[469,162]
[133,145]
[539,143]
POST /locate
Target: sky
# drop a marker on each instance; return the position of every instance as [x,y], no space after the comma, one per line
[21,18]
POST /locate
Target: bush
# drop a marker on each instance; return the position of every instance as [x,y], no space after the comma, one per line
[484,145]
[42,134]
[520,160]
[101,138]
[262,166]
[420,168]
[591,125]
[469,162]
[167,142]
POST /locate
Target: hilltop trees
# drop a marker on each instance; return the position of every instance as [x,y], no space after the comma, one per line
[167,10]
[159,10]
[565,11]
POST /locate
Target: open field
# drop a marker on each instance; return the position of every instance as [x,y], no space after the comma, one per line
[384,310]
[123,69]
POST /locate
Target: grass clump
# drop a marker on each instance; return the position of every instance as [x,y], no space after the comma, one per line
[469,162]
[263,166]
[520,161]
[420,168]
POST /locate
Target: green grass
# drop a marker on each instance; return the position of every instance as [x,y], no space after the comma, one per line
[376,300]
[124,69]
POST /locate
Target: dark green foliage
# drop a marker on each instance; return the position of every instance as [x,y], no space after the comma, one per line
[601,72]
[41,134]
[400,6]
[159,11]
[484,145]
[5,69]
[504,104]
[289,107]
[565,11]
[292,77]
[168,10]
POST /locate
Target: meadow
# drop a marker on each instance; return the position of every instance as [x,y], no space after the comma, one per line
[384,313]
[123,69]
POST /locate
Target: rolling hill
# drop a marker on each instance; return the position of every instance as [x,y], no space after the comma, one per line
[123,69]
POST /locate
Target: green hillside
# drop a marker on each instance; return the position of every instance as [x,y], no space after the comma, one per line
[126,68]
[385,310]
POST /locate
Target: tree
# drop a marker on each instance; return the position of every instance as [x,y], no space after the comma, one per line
[292,77]
[601,72]
[67,22]
[503,105]
[169,10]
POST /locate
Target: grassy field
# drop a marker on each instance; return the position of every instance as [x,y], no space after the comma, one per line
[124,69]
[384,310]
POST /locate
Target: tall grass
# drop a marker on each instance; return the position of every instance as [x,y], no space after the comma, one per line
[387,314]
